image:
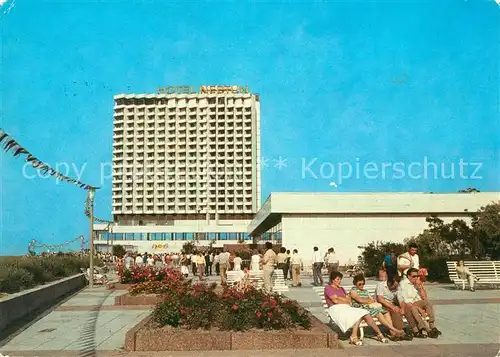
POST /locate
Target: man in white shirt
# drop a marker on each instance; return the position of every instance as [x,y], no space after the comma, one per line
[129,261]
[223,266]
[296,264]
[139,260]
[331,261]
[317,265]
[408,260]
[269,261]
[412,304]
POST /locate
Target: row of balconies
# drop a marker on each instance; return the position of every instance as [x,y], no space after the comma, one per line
[180,152]
[162,109]
[181,190]
[181,102]
[192,187]
[223,146]
[171,120]
[183,129]
[159,210]
[161,127]
[191,199]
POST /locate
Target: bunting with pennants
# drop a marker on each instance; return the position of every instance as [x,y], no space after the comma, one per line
[9,144]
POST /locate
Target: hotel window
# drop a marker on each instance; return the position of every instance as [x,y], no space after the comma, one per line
[223,236]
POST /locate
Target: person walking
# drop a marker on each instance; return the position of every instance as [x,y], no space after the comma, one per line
[237,262]
[317,265]
[200,264]
[269,261]
[296,264]
[255,261]
[208,265]
[281,260]
[331,261]
[223,266]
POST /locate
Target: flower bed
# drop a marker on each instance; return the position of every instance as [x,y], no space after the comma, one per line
[199,306]
[144,337]
[136,275]
[199,317]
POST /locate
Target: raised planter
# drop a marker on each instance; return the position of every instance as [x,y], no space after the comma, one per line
[20,305]
[143,338]
[118,286]
[127,299]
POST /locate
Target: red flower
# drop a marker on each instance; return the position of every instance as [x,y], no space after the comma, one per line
[269,314]
[258,314]
[235,307]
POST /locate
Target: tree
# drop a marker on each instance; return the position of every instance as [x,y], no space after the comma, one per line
[469,190]
[486,228]
[189,248]
[118,251]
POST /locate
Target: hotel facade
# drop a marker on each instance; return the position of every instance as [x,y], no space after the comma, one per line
[186,167]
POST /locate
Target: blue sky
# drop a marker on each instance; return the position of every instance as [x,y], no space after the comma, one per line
[340,82]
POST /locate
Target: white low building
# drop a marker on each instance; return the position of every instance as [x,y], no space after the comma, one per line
[171,238]
[347,221]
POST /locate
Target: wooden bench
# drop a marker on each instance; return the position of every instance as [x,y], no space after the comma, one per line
[320,290]
[488,272]
[234,276]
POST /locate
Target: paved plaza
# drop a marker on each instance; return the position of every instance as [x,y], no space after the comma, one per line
[88,324]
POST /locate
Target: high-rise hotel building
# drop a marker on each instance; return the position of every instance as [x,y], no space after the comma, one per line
[186,166]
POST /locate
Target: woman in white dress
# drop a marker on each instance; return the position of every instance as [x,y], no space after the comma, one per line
[343,314]
[237,262]
[255,261]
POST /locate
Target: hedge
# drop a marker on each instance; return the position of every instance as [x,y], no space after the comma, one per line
[19,273]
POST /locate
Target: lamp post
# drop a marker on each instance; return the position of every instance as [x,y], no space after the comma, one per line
[91,240]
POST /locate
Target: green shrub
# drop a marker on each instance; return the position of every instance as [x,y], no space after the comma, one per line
[16,279]
[18,273]
[374,253]
[437,269]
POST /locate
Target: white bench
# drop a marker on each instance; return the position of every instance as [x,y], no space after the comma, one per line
[234,276]
[256,277]
[487,271]
[320,290]
[99,277]
[279,284]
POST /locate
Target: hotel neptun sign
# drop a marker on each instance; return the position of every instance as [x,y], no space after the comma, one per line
[204,90]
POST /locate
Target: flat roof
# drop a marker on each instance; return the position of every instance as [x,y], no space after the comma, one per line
[281,203]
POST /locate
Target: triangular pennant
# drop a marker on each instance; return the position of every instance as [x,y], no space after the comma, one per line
[20,151]
[9,144]
[30,158]
[3,136]
[36,163]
